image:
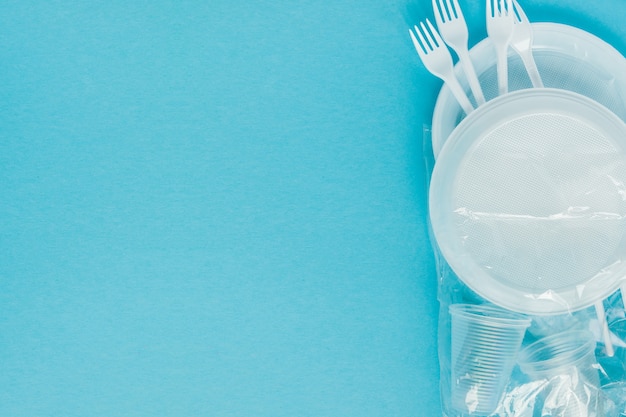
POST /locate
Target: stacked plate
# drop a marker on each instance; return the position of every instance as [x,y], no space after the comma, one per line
[528,193]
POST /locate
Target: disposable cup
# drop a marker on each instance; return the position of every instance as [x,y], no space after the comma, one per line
[567,361]
[485,344]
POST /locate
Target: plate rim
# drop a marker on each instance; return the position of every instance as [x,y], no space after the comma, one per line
[557,302]
[544,28]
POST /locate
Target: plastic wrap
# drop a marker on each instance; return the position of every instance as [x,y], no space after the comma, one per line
[498,361]
[527,209]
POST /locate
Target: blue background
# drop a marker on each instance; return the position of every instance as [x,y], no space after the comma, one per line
[218,208]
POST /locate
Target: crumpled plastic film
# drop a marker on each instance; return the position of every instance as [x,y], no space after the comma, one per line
[567,389]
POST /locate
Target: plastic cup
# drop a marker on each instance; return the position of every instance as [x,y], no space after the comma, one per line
[567,361]
[485,344]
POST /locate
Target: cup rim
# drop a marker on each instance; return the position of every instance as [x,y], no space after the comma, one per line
[563,359]
[490,315]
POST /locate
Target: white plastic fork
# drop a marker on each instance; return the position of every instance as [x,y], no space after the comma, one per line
[522,43]
[437,59]
[453,30]
[604,328]
[500,28]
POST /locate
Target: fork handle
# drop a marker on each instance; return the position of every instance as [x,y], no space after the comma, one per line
[470,74]
[458,92]
[503,69]
[531,68]
[604,327]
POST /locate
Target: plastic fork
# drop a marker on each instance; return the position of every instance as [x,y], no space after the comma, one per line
[522,42]
[437,59]
[604,328]
[500,28]
[453,30]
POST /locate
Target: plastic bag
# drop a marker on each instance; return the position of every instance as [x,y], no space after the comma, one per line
[498,362]
[528,225]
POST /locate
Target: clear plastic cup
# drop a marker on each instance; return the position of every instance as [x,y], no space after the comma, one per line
[485,344]
[567,361]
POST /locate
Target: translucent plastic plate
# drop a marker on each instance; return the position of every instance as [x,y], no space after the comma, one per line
[528,201]
[567,58]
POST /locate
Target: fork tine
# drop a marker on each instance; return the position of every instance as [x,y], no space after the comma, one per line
[489,9]
[440,12]
[516,17]
[420,34]
[426,38]
[445,10]
[507,7]
[454,14]
[418,46]
[457,8]
[438,40]
[521,16]
[437,11]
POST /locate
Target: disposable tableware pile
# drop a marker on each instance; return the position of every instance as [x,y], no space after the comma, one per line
[527,205]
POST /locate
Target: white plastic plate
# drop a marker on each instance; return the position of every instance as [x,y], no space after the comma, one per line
[528,201]
[567,58]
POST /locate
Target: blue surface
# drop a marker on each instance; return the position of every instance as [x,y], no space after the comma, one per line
[218,208]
